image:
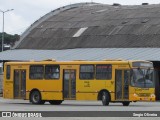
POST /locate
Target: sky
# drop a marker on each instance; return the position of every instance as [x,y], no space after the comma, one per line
[27,11]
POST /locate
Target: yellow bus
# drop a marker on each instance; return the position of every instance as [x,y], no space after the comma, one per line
[55,81]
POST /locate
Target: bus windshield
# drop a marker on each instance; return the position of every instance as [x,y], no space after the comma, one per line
[142,78]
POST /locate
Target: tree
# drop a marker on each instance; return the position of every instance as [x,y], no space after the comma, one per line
[9,39]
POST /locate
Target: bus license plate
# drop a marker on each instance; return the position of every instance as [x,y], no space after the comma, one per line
[146,98]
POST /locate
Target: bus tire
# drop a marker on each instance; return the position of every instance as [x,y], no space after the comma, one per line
[55,102]
[35,97]
[105,98]
[126,103]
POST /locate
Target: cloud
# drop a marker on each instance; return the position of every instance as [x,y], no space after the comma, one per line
[15,24]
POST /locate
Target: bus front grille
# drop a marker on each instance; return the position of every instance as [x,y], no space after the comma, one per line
[144,94]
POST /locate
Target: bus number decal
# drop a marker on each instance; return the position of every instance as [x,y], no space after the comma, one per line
[86,84]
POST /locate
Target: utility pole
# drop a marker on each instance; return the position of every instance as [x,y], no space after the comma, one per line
[3,12]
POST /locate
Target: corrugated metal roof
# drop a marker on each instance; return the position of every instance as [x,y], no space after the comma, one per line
[108,26]
[152,54]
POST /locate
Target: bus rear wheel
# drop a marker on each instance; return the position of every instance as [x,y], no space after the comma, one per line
[126,103]
[36,98]
[55,102]
[105,98]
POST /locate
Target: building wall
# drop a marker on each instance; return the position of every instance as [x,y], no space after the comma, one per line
[157,78]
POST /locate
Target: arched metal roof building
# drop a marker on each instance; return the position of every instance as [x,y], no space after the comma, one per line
[92,31]
[91,25]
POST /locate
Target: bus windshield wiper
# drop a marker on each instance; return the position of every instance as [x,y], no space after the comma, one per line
[141,72]
[143,76]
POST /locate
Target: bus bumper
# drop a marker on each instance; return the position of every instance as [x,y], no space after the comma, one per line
[144,98]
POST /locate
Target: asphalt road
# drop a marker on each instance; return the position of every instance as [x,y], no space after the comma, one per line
[71,105]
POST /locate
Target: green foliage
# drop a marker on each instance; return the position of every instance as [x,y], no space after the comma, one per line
[9,39]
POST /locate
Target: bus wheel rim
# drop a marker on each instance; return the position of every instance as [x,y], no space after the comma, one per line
[103,97]
[35,98]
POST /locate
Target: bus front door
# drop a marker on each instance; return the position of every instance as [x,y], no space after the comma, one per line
[19,84]
[69,84]
[122,85]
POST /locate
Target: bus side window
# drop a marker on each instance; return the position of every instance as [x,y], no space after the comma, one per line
[87,72]
[8,72]
[52,71]
[104,72]
[36,72]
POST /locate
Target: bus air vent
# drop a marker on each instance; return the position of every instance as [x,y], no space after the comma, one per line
[112,59]
[145,4]
[53,60]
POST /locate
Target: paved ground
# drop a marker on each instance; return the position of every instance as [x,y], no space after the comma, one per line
[70,105]
[24,105]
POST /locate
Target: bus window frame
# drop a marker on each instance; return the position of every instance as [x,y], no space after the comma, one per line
[8,72]
[88,72]
[103,72]
[36,78]
[48,65]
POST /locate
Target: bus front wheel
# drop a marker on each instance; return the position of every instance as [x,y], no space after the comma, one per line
[105,98]
[36,98]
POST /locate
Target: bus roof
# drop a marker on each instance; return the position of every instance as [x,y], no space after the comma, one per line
[77,62]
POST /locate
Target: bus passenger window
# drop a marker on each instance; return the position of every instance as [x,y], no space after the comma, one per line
[8,72]
[36,72]
[87,72]
[103,72]
[52,71]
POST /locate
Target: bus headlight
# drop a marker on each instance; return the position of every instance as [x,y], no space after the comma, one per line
[135,95]
[152,95]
